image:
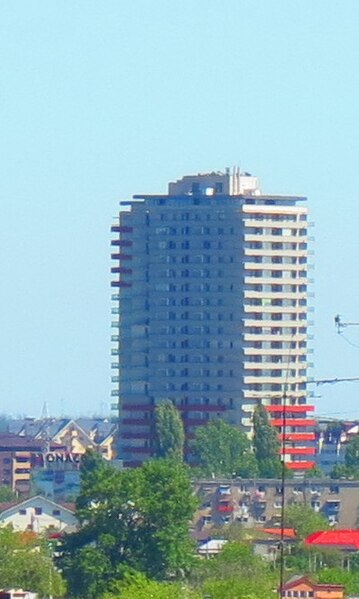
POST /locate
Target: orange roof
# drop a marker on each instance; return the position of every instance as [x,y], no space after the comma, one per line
[287,532]
[296,580]
[341,538]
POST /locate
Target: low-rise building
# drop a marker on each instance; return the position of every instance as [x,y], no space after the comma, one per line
[302,586]
[39,515]
[17,594]
[258,502]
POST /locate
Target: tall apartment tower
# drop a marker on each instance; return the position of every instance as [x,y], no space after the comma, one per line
[210,288]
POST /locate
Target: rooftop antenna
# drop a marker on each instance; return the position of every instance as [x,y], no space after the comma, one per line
[44,411]
[45,430]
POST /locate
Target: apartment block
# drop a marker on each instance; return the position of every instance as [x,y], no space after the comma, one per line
[258,503]
[210,305]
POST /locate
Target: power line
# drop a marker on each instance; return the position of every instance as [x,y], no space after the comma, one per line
[348,341]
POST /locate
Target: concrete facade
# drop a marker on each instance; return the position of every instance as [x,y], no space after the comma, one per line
[210,310]
[256,503]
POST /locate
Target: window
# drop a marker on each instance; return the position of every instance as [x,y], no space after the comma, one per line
[22,512]
[38,511]
[56,512]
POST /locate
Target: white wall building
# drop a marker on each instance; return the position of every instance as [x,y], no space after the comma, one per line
[38,514]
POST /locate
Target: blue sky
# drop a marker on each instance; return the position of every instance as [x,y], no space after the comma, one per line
[101,100]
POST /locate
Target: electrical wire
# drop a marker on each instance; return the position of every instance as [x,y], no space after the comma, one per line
[349,341]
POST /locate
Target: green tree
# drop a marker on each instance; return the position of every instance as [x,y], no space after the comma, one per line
[223,450]
[137,586]
[343,471]
[25,562]
[235,572]
[304,520]
[339,576]
[352,454]
[266,444]
[131,520]
[7,494]
[169,432]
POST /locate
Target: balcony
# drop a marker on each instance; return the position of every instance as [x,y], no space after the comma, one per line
[298,451]
[120,284]
[297,437]
[121,270]
[293,422]
[121,257]
[121,242]
[144,450]
[290,409]
[225,508]
[121,229]
[300,465]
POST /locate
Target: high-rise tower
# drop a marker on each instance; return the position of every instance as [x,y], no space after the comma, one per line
[210,289]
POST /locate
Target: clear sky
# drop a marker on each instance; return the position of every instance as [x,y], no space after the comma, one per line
[103,99]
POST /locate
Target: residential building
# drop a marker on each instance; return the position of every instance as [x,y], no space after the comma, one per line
[77,435]
[343,539]
[258,503]
[210,304]
[17,594]
[39,515]
[17,458]
[302,586]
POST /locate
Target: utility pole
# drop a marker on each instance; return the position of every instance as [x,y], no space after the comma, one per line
[340,325]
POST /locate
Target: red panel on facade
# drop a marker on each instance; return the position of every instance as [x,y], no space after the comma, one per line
[293,422]
[300,465]
[293,409]
[298,437]
[225,509]
[298,450]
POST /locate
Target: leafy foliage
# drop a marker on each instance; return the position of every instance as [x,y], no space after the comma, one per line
[266,444]
[137,586]
[7,494]
[169,432]
[304,520]
[235,572]
[339,576]
[352,453]
[350,468]
[132,520]
[25,562]
[223,450]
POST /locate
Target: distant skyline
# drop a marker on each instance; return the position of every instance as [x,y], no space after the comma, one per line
[100,101]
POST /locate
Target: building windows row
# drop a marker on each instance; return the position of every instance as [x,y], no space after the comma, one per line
[165,230]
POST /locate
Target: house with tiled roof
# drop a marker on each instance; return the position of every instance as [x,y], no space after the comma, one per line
[303,587]
[38,514]
[344,539]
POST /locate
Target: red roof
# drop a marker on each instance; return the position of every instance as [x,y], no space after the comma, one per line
[341,538]
[287,532]
[297,580]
